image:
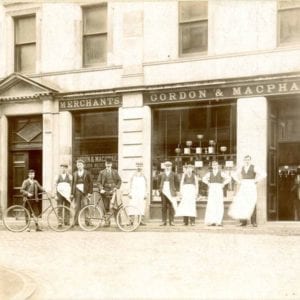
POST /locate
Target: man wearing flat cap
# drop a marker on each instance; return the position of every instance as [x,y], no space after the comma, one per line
[82,188]
[63,185]
[168,185]
[108,182]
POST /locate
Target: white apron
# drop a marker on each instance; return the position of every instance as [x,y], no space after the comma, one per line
[166,191]
[187,206]
[138,192]
[244,202]
[64,188]
[215,207]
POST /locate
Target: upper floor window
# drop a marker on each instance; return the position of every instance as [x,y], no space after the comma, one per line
[94,35]
[25,44]
[289,21]
[193,27]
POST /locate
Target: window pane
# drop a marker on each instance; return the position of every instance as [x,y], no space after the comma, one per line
[25,30]
[193,10]
[96,124]
[177,126]
[94,49]
[193,37]
[94,19]
[95,139]
[289,26]
[25,58]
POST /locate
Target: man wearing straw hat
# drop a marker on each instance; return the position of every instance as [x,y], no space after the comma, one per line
[138,191]
[167,188]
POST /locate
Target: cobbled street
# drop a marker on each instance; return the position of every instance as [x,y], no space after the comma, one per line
[180,263]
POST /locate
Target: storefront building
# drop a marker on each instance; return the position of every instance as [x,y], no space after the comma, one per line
[185,94]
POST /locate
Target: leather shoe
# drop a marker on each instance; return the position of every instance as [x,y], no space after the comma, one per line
[163,224]
[38,229]
[254,224]
[172,224]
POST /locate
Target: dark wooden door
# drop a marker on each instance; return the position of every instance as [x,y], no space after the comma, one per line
[19,171]
[272,178]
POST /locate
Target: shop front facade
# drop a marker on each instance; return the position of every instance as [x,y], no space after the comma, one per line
[184,123]
[195,123]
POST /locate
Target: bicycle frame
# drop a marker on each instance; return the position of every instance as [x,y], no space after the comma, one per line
[32,214]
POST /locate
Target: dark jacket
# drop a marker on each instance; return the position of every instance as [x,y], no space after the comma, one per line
[103,175]
[87,181]
[26,187]
[174,182]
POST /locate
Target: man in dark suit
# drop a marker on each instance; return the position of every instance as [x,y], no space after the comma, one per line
[82,188]
[29,190]
[168,184]
[108,182]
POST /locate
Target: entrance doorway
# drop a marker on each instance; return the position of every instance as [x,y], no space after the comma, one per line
[25,153]
[284,159]
[21,163]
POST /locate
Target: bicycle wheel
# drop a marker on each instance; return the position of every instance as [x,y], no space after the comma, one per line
[16,218]
[60,218]
[128,218]
[90,217]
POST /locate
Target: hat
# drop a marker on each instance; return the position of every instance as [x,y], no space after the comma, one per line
[79,161]
[108,161]
[168,163]
[64,165]
[190,166]
[31,171]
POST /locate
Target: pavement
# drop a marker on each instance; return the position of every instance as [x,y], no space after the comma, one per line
[152,263]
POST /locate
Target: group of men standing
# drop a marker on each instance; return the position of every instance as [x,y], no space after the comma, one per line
[79,188]
[243,207]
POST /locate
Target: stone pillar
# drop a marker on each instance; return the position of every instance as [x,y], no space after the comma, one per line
[134,140]
[65,138]
[48,143]
[3,161]
[252,124]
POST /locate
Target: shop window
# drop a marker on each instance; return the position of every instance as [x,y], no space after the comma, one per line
[289,21]
[193,27]
[96,139]
[194,135]
[25,44]
[94,35]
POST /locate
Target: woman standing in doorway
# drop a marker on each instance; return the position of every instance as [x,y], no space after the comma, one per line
[189,191]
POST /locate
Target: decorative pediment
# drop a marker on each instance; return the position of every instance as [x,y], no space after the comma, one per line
[17,86]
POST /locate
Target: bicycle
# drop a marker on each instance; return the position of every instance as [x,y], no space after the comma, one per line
[17,218]
[92,216]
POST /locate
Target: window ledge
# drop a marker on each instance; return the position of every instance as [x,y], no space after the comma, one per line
[184,59]
[74,71]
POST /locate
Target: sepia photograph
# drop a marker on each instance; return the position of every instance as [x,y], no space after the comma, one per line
[150,149]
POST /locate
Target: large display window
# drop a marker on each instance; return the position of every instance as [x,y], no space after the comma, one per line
[197,135]
[96,139]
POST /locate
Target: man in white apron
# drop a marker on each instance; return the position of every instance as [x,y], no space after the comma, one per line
[168,184]
[63,183]
[243,207]
[138,192]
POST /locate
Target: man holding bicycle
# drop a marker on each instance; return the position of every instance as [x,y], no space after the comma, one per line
[82,188]
[29,190]
[108,182]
